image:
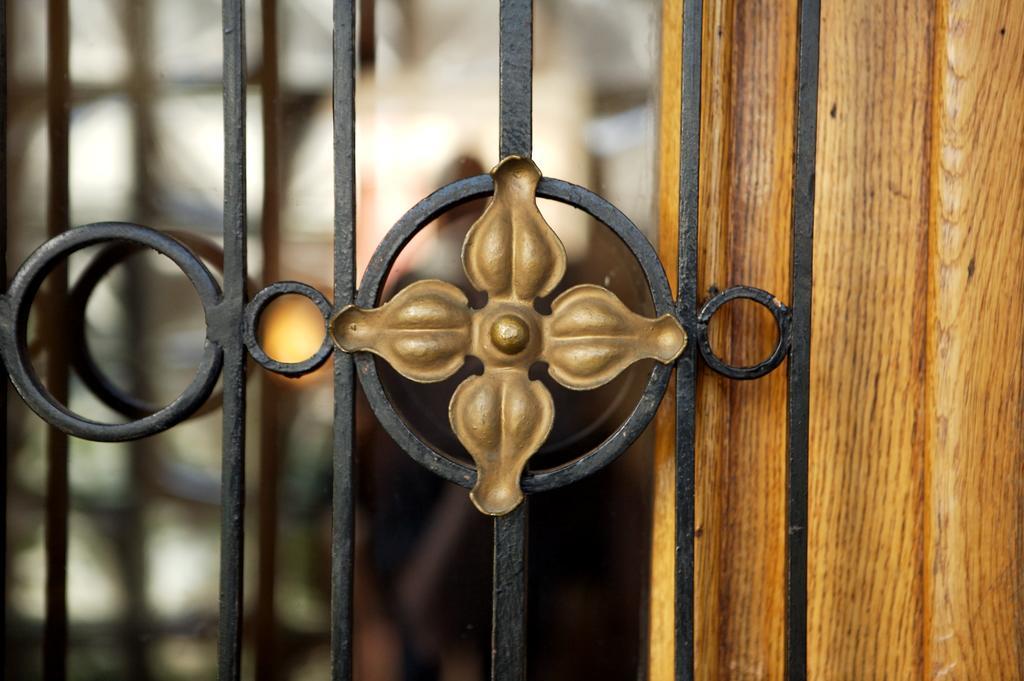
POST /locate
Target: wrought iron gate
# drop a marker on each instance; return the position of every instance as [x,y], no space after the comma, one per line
[425,332]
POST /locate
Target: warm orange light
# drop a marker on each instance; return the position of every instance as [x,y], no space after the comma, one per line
[292,329]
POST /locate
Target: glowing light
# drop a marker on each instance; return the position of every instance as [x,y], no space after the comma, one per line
[292,329]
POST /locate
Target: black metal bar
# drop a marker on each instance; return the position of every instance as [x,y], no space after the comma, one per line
[343,521]
[508,624]
[775,308]
[3,285]
[686,367]
[55,632]
[253,311]
[798,410]
[228,332]
[508,618]
[515,54]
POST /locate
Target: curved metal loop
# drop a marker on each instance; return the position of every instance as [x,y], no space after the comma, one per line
[254,310]
[780,313]
[420,215]
[14,326]
[80,354]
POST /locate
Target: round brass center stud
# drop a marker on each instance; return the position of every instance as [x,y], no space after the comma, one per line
[510,334]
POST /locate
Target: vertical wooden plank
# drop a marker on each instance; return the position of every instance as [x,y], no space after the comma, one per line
[660,649]
[712,431]
[867,435]
[746,152]
[756,211]
[751,50]
[976,331]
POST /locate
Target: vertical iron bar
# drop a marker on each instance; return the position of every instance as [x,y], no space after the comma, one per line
[343,520]
[508,616]
[508,623]
[55,633]
[264,640]
[515,54]
[686,367]
[230,337]
[798,408]
[3,285]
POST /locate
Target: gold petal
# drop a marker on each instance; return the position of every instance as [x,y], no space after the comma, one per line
[424,332]
[591,336]
[510,252]
[502,418]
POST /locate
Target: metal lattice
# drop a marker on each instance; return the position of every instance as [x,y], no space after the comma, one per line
[232,320]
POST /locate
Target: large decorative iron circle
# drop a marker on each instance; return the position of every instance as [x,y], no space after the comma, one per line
[14,328]
[401,234]
[255,309]
[780,313]
[80,354]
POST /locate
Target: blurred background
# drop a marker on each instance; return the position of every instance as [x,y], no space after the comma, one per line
[146,145]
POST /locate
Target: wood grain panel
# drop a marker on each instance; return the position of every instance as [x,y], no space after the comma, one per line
[746,163]
[917,394]
[661,647]
[751,611]
[713,391]
[867,433]
[976,332]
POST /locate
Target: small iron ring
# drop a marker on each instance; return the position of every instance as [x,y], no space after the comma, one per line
[80,354]
[780,313]
[14,328]
[254,310]
[401,234]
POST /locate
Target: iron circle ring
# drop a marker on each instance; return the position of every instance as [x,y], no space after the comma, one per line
[780,313]
[81,358]
[451,196]
[14,327]
[255,309]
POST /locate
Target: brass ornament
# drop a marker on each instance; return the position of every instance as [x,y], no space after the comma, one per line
[426,331]
[423,332]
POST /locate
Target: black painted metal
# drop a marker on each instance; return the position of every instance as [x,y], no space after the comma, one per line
[421,215]
[686,366]
[3,283]
[82,361]
[511,538]
[232,326]
[226,327]
[343,518]
[805,139]
[780,313]
[508,614]
[508,630]
[508,589]
[254,310]
[14,328]
[515,55]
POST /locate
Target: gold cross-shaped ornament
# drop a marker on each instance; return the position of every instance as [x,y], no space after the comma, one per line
[426,331]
